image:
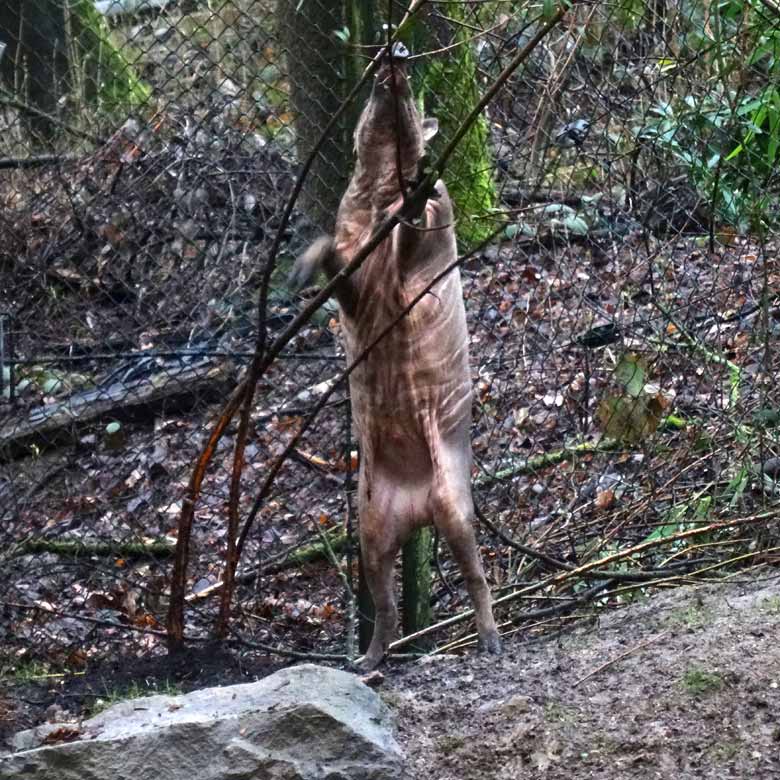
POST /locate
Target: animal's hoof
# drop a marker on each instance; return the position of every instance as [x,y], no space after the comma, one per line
[490,644]
[308,265]
[301,275]
[368,663]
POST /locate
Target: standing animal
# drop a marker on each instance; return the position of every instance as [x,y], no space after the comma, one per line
[411,396]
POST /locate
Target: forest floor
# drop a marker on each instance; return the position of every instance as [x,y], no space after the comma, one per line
[685,685]
[551,318]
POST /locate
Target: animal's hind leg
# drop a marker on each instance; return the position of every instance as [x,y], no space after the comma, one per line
[378,554]
[453,511]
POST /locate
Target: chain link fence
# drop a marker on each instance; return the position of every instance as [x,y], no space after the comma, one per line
[623,319]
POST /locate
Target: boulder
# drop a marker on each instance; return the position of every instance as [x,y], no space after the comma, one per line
[303,723]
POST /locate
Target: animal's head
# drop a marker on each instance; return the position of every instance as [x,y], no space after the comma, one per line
[390,124]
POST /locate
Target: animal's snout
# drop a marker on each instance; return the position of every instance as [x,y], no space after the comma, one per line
[393,65]
[398,52]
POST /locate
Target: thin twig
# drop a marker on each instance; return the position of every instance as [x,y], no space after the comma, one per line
[590,568]
[408,210]
[37,161]
[292,443]
[521,617]
[48,609]
[472,639]
[735,372]
[33,111]
[620,657]
[623,576]
[349,596]
[243,394]
[284,652]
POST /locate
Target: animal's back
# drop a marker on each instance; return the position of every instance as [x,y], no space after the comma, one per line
[415,382]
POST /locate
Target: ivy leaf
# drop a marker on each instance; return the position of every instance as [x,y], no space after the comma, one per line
[519,229]
[576,225]
[558,210]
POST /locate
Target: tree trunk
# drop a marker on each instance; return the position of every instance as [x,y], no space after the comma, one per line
[366,611]
[61,49]
[449,90]
[416,586]
[316,65]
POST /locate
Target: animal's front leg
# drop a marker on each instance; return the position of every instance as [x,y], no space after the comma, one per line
[431,236]
[322,255]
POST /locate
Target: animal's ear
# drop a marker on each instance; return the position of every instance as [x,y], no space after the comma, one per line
[430,127]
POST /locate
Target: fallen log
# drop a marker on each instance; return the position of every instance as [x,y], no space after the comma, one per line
[73,548]
[61,422]
[336,537]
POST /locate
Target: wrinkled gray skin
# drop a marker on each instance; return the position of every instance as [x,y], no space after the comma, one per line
[411,397]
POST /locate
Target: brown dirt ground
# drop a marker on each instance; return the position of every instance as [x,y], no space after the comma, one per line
[690,688]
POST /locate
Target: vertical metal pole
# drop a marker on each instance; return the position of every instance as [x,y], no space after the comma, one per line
[2,330]
[11,364]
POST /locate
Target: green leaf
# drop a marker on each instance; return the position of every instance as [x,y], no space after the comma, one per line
[51,383]
[114,436]
[737,485]
[748,107]
[519,228]
[767,417]
[703,506]
[674,517]
[631,373]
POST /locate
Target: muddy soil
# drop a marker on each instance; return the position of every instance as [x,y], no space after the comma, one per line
[683,686]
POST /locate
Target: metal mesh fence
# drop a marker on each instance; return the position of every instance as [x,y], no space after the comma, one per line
[623,323]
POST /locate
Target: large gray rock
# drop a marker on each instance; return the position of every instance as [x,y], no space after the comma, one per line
[303,723]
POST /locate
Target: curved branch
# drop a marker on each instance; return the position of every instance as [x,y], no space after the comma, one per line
[264,356]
